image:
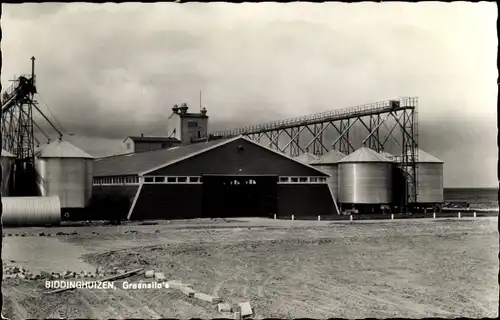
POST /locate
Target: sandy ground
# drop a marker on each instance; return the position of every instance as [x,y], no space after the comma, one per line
[286,269]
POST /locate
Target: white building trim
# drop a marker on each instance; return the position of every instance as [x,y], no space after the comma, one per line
[115,181]
[170,180]
[302,180]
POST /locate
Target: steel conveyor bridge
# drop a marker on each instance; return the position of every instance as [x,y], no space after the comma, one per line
[385,124]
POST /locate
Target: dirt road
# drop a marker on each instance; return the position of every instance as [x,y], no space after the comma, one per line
[422,268]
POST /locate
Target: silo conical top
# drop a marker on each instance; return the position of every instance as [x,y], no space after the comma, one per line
[364,155]
[61,149]
[331,157]
[307,158]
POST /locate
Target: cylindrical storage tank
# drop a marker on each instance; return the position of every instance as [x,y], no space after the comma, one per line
[328,163]
[31,211]
[307,158]
[7,161]
[65,171]
[365,177]
[429,179]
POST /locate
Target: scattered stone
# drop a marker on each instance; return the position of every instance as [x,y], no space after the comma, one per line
[159,276]
[246,309]
[120,271]
[207,297]
[177,285]
[21,276]
[188,291]
[224,307]
[48,235]
[17,234]
[41,234]
[55,276]
[74,233]
[23,235]
[157,231]
[10,234]
[149,273]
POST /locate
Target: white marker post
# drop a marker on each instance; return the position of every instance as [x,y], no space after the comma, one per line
[293,217]
[474,214]
[392,216]
[319,218]
[351,217]
[459,214]
[433,215]
[275,216]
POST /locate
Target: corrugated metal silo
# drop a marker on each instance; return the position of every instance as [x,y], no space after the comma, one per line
[365,177]
[7,162]
[65,171]
[328,163]
[307,158]
[31,211]
[429,179]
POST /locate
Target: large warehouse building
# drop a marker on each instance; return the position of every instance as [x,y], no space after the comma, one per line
[217,178]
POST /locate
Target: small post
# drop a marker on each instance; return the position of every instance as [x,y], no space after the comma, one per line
[433,215]
[319,218]
[275,216]
[392,216]
[474,214]
[459,214]
[351,217]
[293,217]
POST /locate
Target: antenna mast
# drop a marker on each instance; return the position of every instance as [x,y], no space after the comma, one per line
[200,100]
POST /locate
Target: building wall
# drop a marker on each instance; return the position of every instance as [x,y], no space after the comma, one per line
[109,202]
[193,128]
[305,200]
[144,146]
[228,159]
[185,201]
[164,201]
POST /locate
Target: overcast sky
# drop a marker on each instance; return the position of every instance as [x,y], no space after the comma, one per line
[108,71]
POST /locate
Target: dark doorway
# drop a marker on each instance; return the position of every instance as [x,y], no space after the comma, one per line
[239,196]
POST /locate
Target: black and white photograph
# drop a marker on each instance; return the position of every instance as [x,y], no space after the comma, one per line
[249,160]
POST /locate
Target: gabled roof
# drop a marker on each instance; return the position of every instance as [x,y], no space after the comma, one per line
[364,155]
[7,154]
[307,158]
[424,157]
[151,139]
[61,149]
[331,157]
[145,162]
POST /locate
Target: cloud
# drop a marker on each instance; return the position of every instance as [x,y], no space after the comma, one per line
[112,70]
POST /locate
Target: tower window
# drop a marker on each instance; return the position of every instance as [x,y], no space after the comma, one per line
[192,124]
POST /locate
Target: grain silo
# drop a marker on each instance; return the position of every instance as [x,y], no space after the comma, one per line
[429,180]
[307,158]
[65,171]
[365,180]
[7,162]
[328,163]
